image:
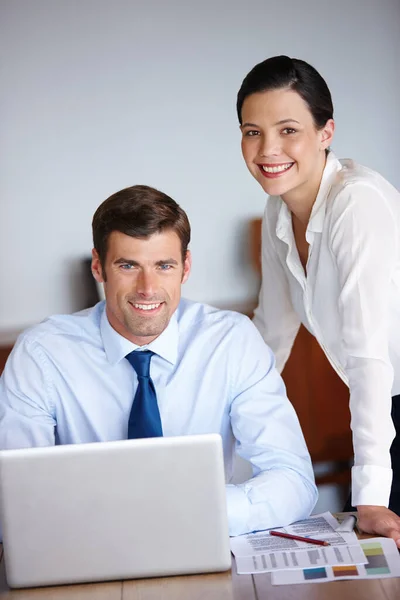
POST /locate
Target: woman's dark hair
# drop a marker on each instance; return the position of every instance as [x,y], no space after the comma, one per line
[297,75]
[138,211]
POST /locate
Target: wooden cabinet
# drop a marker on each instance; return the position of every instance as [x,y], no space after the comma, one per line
[4,352]
[321,401]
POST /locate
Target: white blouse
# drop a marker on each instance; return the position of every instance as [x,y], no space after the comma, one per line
[349,300]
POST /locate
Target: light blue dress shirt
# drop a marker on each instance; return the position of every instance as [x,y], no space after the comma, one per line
[67,382]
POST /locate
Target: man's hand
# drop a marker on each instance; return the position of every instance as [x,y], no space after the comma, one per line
[379,520]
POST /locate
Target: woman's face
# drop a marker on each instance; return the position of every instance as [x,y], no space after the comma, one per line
[281,146]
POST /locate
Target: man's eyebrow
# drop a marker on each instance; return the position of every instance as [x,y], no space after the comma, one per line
[134,263]
[167,261]
[126,261]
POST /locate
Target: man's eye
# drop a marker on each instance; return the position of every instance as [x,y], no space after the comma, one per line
[165,267]
[126,267]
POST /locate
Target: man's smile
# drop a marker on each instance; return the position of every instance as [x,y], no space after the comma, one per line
[148,308]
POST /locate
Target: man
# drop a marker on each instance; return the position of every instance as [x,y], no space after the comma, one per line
[146,362]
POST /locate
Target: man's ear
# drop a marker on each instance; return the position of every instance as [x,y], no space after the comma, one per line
[187,265]
[97,270]
[327,134]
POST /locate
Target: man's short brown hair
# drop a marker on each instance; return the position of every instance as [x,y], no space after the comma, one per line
[138,211]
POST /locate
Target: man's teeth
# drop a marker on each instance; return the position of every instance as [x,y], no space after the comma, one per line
[147,306]
[277,169]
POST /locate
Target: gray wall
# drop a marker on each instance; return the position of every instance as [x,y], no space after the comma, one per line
[98,95]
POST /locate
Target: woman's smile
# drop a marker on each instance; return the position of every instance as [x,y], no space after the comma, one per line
[272,171]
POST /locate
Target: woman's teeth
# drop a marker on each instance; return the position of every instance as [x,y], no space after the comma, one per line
[277,169]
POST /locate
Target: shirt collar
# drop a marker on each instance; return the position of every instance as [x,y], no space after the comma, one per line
[317,216]
[117,347]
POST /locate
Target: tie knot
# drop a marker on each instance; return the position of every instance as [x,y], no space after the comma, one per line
[140,361]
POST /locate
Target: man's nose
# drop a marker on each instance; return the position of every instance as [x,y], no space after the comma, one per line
[146,283]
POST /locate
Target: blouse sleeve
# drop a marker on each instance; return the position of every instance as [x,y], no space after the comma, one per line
[363,239]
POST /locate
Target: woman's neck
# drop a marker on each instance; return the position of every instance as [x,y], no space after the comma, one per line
[300,200]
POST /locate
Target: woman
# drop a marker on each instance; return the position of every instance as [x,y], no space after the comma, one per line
[330,260]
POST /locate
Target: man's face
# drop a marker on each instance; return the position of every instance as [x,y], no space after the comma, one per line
[142,283]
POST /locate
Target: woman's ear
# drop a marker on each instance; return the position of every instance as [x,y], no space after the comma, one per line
[326,134]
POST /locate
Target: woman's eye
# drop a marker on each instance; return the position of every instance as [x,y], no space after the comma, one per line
[251,133]
[289,130]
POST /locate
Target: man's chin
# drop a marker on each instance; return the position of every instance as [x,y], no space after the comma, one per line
[146,330]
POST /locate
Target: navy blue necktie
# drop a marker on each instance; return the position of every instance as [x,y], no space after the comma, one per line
[144,420]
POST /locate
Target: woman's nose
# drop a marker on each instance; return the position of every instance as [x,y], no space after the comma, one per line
[269,146]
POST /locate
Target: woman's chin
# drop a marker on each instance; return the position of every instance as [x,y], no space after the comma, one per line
[275,187]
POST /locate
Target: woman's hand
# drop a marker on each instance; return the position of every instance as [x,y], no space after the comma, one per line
[379,520]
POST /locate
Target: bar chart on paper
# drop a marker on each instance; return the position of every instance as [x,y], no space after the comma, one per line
[383,560]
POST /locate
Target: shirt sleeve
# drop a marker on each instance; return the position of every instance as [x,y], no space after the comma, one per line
[275,317]
[363,237]
[268,434]
[26,415]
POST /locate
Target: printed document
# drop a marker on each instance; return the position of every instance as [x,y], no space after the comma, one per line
[260,552]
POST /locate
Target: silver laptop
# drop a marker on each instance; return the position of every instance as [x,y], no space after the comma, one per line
[114,510]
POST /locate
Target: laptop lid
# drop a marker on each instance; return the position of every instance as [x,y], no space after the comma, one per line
[114,510]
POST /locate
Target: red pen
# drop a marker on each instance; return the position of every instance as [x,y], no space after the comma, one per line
[298,538]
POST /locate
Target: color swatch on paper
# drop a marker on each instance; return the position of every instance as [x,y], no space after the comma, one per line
[317,573]
[377,563]
[345,571]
